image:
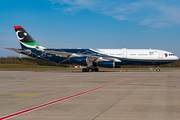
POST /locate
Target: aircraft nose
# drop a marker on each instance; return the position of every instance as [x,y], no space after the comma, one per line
[176,58]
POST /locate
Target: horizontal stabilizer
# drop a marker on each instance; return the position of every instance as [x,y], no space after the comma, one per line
[19,51]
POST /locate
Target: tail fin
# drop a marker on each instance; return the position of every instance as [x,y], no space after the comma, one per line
[25,39]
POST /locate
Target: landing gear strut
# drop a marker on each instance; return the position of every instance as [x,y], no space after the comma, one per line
[158,69]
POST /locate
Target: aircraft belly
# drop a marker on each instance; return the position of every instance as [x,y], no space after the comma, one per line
[146,62]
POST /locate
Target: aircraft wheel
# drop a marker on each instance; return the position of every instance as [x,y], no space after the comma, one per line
[91,69]
[85,70]
[158,70]
[96,69]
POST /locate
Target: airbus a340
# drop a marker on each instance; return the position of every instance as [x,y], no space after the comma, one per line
[92,58]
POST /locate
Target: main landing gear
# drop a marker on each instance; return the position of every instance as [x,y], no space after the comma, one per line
[90,69]
[158,69]
[91,66]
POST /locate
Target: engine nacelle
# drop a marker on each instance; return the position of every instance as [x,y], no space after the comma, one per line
[119,64]
[108,64]
[78,60]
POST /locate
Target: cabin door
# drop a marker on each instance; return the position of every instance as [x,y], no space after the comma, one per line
[124,54]
[160,55]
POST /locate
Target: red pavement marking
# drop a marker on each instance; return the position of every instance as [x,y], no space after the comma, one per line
[56,101]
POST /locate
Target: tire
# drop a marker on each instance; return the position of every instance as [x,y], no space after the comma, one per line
[84,70]
[158,70]
[96,69]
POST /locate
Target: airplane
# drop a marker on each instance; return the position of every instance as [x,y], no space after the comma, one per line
[92,58]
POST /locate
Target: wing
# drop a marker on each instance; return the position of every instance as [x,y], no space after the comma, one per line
[62,54]
[70,55]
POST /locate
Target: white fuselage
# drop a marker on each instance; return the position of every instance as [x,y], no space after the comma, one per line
[150,54]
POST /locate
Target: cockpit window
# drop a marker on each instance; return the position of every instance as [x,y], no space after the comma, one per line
[171,54]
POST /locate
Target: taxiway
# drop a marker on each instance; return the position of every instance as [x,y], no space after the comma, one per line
[107,95]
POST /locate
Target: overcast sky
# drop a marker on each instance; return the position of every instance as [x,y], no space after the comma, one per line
[108,24]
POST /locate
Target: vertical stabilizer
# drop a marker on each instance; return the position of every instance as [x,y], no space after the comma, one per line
[25,39]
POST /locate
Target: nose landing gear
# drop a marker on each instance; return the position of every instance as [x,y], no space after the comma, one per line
[158,69]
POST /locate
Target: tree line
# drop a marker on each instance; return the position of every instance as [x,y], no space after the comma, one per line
[28,61]
[32,61]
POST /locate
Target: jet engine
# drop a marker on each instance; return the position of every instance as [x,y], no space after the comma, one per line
[108,64]
[78,60]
